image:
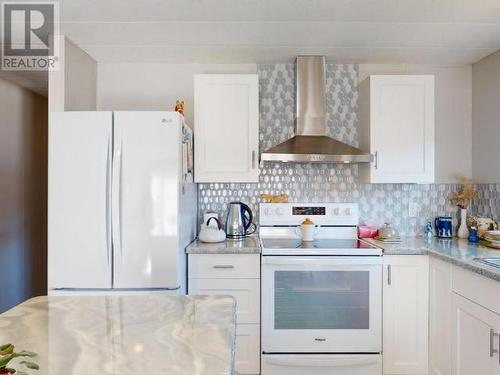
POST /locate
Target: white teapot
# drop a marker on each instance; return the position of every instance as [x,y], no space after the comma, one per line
[307,230]
[210,233]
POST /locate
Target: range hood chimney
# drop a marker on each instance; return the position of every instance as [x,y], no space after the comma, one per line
[311,143]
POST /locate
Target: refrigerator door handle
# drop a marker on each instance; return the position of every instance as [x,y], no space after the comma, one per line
[108,203]
[116,200]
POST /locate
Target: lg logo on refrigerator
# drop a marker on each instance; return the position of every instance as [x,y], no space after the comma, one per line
[28,37]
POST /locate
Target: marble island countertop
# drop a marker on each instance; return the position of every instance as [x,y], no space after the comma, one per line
[456,251]
[249,245]
[125,335]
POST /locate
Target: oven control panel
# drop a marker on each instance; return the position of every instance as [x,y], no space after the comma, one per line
[319,213]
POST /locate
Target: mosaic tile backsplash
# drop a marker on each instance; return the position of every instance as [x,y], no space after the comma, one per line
[332,182]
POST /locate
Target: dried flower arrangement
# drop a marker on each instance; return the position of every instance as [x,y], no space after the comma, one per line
[463,196]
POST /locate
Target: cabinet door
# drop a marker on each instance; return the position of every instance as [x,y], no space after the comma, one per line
[406,301]
[440,310]
[226,128]
[402,129]
[246,292]
[247,358]
[475,338]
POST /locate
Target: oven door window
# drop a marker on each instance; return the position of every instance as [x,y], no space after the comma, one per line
[321,300]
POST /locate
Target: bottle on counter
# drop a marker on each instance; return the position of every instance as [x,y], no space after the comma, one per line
[428,229]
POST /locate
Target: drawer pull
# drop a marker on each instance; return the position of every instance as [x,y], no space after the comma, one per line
[492,342]
[223,266]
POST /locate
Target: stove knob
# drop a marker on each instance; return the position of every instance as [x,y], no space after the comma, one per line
[336,211]
[279,211]
[268,212]
[347,212]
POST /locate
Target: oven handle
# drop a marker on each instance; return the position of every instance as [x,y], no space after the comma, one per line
[322,261]
[332,360]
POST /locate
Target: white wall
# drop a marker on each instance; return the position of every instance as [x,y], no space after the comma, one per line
[74,86]
[23,194]
[453,93]
[155,86]
[486,119]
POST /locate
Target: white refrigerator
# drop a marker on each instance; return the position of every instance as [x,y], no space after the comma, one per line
[121,202]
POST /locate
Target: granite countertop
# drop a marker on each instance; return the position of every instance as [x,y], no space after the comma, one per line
[250,245]
[126,335]
[457,251]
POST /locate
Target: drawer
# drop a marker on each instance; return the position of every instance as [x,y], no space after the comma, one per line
[248,349]
[224,266]
[245,291]
[477,288]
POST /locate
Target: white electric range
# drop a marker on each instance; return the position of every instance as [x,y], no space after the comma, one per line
[321,300]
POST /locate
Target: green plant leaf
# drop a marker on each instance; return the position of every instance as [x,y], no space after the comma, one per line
[30,365]
[6,359]
[26,353]
[6,349]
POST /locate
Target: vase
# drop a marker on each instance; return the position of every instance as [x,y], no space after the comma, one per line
[463,231]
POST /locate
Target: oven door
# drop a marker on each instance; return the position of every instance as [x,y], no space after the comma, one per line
[321,304]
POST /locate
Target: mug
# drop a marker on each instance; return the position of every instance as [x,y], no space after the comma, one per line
[444,225]
[307,232]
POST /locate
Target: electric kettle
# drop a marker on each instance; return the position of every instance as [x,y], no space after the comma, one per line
[239,221]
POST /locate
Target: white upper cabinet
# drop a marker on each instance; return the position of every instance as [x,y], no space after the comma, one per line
[397,127]
[226,128]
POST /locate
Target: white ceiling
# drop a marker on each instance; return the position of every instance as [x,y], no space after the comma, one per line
[260,31]
[442,32]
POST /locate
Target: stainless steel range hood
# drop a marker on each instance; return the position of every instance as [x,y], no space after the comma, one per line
[310,143]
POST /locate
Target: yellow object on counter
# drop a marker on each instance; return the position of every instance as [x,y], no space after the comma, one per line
[307,221]
[270,198]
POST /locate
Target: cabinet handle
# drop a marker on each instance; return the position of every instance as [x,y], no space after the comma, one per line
[223,266]
[376,159]
[253,159]
[492,342]
[389,275]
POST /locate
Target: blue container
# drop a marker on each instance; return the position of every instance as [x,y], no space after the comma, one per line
[473,237]
[443,225]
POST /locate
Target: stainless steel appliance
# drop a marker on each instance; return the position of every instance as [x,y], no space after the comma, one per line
[239,221]
[311,142]
[321,300]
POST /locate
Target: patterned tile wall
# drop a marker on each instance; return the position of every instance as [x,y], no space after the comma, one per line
[487,202]
[332,182]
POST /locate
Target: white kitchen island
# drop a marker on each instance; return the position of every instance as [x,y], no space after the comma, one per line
[121,335]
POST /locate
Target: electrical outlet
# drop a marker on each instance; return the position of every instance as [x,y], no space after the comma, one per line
[413,209]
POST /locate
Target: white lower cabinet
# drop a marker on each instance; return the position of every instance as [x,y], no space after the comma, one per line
[245,291]
[440,313]
[236,275]
[248,348]
[405,314]
[475,339]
